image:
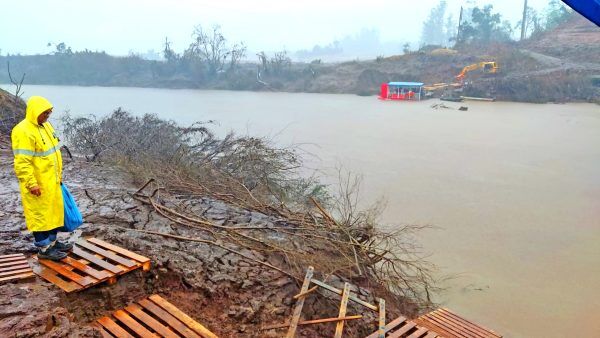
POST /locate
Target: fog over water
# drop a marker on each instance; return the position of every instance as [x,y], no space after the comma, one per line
[513,188]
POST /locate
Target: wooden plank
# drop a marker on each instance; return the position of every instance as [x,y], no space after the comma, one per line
[299,304]
[113,328]
[105,333]
[118,250]
[12,259]
[391,325]
[59,268]
[431,334]
[12,255]
[2,265]
[15,272]
[339,292]
[402,330]
[131,323]
[417,334]
[484,330]
[381,327]
[100,275]
[50,275]
[166,317]
[162,330]
[124,261]
[453,325]
[17,277]
[93,259]
[187,320]
[15,267]
[440,323]
[313,321]
[339,327]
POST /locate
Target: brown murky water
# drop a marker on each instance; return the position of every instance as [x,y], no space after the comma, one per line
[514,188]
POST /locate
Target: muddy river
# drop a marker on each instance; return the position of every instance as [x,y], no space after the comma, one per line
[513,189]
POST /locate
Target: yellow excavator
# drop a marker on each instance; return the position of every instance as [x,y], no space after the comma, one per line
[489,67]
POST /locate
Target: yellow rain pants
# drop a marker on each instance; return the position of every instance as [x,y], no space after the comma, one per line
[38,162]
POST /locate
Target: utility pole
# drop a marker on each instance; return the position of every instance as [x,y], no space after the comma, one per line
[523,22]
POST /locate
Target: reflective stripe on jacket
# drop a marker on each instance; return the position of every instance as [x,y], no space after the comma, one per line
[38,162]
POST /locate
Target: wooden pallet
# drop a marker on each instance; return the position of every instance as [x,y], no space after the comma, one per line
[91,262]
[404,328]
[14,268]
[151,317]
[451,325]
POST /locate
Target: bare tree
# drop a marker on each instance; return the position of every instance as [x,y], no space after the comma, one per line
[17,85]
[280,62]
[238,52]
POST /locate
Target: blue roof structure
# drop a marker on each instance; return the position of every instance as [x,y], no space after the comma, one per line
[406,84]
[588,8]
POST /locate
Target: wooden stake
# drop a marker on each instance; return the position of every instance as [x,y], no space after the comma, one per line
[298,309]
[339,328]
[381,330]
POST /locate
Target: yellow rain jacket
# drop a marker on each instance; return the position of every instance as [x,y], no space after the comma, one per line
[38,162]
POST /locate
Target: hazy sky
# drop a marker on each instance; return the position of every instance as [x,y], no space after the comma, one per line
[118,26]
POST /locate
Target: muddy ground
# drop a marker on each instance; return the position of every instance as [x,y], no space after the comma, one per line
[231,296]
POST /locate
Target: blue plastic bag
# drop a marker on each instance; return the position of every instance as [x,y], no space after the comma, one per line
[73,218]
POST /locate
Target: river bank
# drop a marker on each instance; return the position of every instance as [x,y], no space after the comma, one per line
[559,66]
[198,238]
[514,181]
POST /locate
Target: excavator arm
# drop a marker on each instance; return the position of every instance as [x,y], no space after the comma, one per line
[489,67]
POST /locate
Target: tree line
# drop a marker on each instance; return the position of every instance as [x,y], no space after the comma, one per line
[482,25]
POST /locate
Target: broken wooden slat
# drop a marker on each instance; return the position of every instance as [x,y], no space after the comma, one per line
[187,320]
[299,304]
[123,261]
[165,316]
[113,328]
[137,312]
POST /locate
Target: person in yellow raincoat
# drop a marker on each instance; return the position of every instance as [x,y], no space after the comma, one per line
[38,165]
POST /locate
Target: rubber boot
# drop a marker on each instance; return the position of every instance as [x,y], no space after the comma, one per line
[51,254]
[64,247]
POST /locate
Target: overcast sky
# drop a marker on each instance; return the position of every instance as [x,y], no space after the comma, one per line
[119,26]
